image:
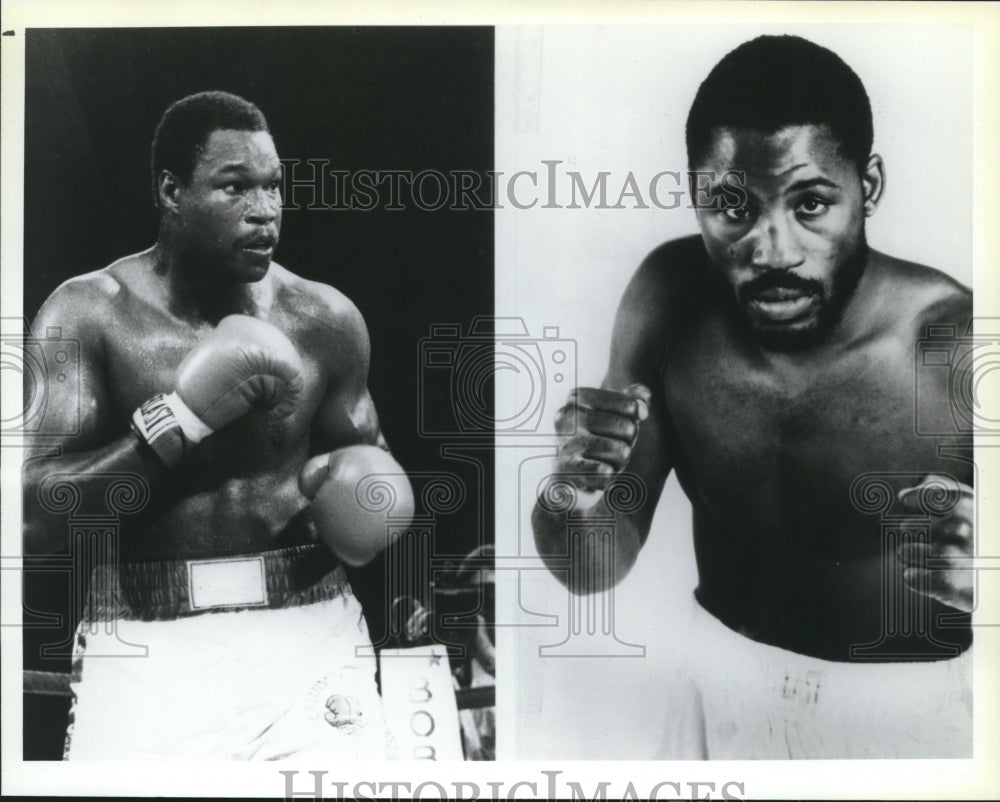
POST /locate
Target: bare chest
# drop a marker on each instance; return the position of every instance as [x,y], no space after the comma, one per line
[141,358]
[776,446]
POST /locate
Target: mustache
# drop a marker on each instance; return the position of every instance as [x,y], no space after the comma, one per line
[779,279]
[266,239]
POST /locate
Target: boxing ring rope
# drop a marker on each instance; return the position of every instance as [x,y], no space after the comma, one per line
[56,683]
[47,683]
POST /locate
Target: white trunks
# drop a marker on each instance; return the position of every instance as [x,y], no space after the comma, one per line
[740,699]
[259,657]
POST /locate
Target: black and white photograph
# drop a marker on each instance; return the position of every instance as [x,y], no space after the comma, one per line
[757,501]
[451,401]
[223,394]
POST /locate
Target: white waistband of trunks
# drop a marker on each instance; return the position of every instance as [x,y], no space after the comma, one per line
[710,637]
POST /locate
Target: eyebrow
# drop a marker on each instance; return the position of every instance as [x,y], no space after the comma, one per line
[797,186]
[241,167]
[806,183]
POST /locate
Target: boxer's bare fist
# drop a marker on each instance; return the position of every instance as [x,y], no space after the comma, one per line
[598,428]
[940,568]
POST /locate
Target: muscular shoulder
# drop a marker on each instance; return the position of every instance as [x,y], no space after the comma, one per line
[666,291]
[673,273]
[926,296]
[324,319]
[314,302]
[931,316]
[84,305]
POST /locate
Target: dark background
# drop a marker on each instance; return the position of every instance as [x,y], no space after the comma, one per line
[363,98]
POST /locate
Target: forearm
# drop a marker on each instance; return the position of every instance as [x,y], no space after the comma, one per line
[590,551]
[78,483]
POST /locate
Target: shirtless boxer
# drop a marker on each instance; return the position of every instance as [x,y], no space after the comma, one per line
[770,362]
[222,380]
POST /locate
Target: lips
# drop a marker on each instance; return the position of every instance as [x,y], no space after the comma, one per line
[261,246]
[782,303]
[778,293]
[786,309]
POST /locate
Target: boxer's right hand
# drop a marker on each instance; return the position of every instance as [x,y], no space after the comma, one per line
[599,429]
[242,364]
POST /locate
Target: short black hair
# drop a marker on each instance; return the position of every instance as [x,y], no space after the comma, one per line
[186,125]
[772,82]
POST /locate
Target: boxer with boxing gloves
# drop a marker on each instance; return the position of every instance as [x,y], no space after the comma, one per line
[772,363]
[235,393]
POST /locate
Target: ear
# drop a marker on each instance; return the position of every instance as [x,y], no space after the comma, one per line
[167,188]
[873,183]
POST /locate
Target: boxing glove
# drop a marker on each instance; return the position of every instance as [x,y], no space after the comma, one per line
[356,493]
[242,364]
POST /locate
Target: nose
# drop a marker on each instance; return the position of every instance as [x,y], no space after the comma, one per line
[775,246]
[262,206]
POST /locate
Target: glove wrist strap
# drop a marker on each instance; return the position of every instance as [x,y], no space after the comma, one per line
[157,428]
[194,428]
[168,427]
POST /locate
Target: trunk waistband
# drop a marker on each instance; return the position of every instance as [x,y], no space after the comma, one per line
[169,589]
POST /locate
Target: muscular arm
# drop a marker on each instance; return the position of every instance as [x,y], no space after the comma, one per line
[75,436]
[938,568]
[637,349]
[346,415]
[331,479]
[946,397]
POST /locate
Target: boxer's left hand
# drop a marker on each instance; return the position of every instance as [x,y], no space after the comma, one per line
[950,542]
[354,526]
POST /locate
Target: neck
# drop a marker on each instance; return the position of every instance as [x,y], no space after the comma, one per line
[856,318]
[192,296]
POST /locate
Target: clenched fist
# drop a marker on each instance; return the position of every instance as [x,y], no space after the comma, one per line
[940,568]
[598,430]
